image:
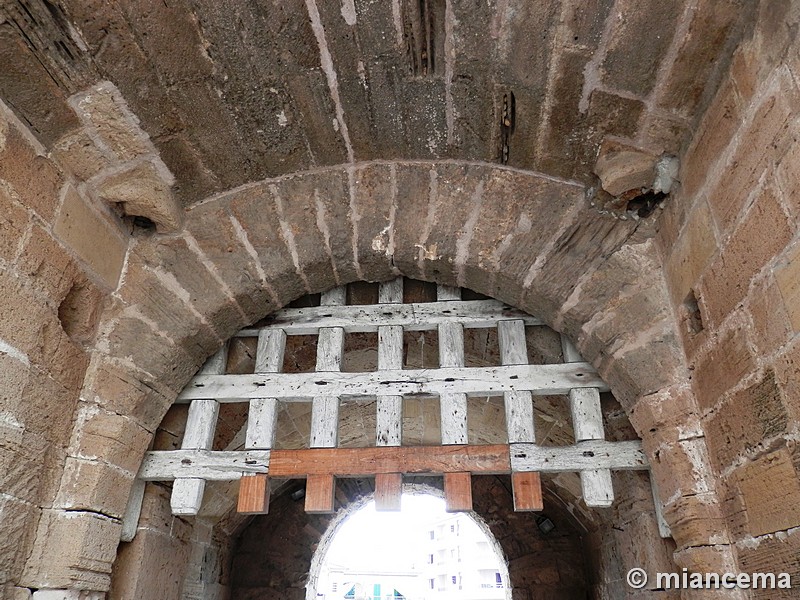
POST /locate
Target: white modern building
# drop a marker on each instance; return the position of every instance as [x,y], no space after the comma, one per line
[460,562]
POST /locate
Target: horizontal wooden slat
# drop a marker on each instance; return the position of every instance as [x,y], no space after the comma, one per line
[413,317]
[589,455]
[474,381]
[164,465]
[363,462]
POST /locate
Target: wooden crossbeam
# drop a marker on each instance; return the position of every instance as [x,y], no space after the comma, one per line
[164,465]
[583,456]
[409,460]
[420,316]
[520,425]
[253,494]
[187,494]
[587,423]
[220,465]
[388,429]
[474,381]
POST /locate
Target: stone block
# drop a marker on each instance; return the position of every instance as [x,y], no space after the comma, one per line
[778,553]
[110,437]
[716,131]
[68,595]
[144,190]
[715,558]
[110,122]
[622,167]
[18,520]
[722,366]
[96,238]
[49,268]
[787,278]
[747,419]
[787,372]
[126,392]
[16,593]
[649,21]
[697,55]
[759,146]
[73,550]
[79,154]
[14,221]
[696,520]
[35,179]
[764,233]
[772,326]
[770,490]
[161,303]
[689,255]
[94,485]
[153,565]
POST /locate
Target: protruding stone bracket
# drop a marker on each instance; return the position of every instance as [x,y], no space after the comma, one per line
[117,159]
[633,180]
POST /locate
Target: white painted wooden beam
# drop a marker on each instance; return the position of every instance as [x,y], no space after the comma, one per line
[664,529]
[421,316]
[551,379]
[389,420]
[263,413]
[582,456]
[452,405]
[221,465]
[187,494]
[330,351]
[518,404]
[587,423]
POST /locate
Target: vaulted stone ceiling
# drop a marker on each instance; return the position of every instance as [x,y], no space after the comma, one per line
[238,91]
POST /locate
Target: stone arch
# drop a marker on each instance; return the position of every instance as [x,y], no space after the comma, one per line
[527,239]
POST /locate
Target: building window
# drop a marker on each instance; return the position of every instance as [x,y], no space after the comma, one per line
[431,533]
[430,559]
[452,528]
[454,579]
[431,582]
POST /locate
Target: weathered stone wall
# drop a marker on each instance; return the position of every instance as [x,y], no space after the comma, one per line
[61,254]
[731,246]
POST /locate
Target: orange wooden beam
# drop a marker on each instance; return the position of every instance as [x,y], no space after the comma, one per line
[409,460]
[388,490]
[457,492]
[319,493]
[253,494]
[527,487]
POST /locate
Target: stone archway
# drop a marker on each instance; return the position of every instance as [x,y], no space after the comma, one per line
[524,238]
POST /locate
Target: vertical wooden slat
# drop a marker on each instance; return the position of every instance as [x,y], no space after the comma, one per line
[390,356]
[253,495]
[319,493]
[453,407]
[457,492]
[187,494]
[262,422]
[520,425]
[587,422]
[527,489]
[388,491]
[330,347]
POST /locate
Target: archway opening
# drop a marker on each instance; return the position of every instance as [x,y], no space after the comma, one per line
[420,552]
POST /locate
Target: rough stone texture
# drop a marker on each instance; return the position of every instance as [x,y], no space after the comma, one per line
[622,167]
[94,237]
[144,191]
[294,94]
